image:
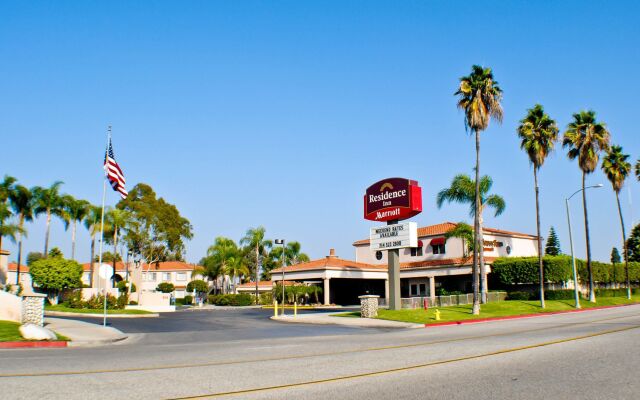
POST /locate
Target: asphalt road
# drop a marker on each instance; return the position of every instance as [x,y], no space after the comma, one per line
[589,355]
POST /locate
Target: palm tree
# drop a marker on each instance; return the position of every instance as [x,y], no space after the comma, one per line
[117,220]
[48,201]
[638,169]
[7,229]
[76,210]
[462,231]
[6,186]
[479,97]
[92,222]
[21,200]
[586,138]
[617,168]
[538,134]
[254,238]
[462,190]
[224,258]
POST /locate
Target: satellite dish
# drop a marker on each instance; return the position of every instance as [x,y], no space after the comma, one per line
[105,271]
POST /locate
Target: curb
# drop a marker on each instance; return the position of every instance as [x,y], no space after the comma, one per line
[336,321]
[510,317]
[95,343]
[33,345]
[90,315]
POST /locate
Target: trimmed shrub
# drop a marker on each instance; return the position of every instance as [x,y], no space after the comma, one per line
[199,285]
[165,287]
[519,296]
[188,299]
[565,294]
[242,299]
[622,292]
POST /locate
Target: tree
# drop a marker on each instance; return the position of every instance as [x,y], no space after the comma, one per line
[553,244]
[224,258]
[55,253]
[538,134]
[462,231]
[75,210]
[462,190]
[292,256]
[157,230]
[48,201]
[108,257]
[638,169]
[633,244]
[34,256]
[586,138]
[165,287]
[6,229]
[254,239]
[117,221]
[54,274]
[616,167]
[615,259]
[21,200]
[198,285]
[479,97]
[92,221]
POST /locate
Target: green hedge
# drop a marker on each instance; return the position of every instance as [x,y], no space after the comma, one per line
[519,270]
[242,299]
[615,292]
[564,294]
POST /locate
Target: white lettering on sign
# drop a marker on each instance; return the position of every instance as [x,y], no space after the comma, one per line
[387,195]
[394,236]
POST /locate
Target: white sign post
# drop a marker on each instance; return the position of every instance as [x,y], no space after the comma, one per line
[396,236]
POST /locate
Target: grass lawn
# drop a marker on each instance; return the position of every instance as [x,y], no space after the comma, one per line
[9,333]
[61,307]
[489,310]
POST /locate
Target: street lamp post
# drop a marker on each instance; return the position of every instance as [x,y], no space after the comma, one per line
[573,259]
[281,241]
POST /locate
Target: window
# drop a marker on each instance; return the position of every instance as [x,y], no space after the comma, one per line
[181,276]
[151,276]
[423,289]
[416,251]
[166,276]
[414,290]
[378,255]
[438,248]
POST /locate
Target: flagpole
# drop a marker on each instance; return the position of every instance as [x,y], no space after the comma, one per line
[104,195]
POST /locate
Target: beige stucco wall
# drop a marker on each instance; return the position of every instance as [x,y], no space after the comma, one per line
[10,307]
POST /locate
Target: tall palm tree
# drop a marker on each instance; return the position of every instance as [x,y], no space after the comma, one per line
[6,186]
[76,210]
[462,231]
[92,223]
[462,190]
[223,259]
[21,200]
[586,138]
[254,238]
[638,169]
[7,229]
[479,97]
[538,134]
[48,201]
[617,168]
[117,220]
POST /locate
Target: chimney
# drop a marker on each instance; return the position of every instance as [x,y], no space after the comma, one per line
[332,253]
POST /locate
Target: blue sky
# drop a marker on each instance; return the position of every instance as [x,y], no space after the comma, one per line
[281,113]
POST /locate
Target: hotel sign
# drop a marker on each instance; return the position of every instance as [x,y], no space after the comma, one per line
[394,236]
[392,199]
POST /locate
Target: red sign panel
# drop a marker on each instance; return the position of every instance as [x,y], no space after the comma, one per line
[392,199]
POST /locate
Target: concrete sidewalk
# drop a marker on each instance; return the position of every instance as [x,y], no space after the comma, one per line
[328,318]
[84,334]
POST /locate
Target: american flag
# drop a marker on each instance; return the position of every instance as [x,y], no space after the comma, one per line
[114,173]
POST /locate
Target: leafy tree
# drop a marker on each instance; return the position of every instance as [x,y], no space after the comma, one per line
[165,287]
[633,244]
[462,190]
[34,256]
[479,97]
[21,200]
[48,201]
[538,134]
[157,230]
[108,257]
[586,138]
[552,247]
[55,253]
[615,256]
[198,285]
[54,274]
[117,221]
[75,210]
[616,167]
[254,239]
[126,287]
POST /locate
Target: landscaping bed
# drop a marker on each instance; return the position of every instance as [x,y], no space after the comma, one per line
[9,333]
[492,310]
[62,308]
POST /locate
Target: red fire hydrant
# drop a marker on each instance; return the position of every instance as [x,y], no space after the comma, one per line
[425,303]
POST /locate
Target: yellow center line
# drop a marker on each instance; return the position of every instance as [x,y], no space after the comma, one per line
[402,369]
[297,357]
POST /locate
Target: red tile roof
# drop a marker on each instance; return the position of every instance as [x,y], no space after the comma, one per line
[331,262]
[441,229]
[457,262]
[166,266]
[261,284]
